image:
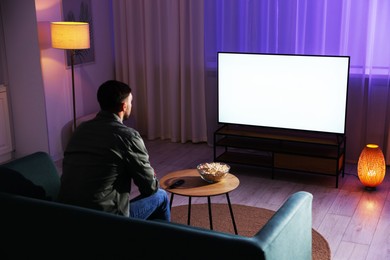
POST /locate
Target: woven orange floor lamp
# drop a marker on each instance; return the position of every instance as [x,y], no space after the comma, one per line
[371,166]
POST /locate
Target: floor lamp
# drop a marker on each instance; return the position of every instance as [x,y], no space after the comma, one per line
[70,36]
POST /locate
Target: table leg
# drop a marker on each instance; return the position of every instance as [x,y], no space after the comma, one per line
[210,217]
[189,210]
[231,213]
[170,202]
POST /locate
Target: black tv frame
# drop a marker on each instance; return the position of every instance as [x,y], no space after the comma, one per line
[284,128]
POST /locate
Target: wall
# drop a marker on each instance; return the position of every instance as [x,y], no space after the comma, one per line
[25,83]
[39,80]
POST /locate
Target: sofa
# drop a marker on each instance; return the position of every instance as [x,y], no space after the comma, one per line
[35,225]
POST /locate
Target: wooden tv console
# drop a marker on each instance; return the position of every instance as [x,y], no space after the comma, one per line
[300,151]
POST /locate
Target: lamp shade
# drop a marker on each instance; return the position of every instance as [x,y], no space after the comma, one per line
[70,35]
[371,166]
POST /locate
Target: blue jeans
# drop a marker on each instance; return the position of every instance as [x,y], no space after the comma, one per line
[155,206]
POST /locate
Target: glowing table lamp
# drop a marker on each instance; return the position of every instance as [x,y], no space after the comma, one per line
[371,166]
[70,36]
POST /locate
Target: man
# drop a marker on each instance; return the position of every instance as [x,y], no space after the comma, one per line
[104,156]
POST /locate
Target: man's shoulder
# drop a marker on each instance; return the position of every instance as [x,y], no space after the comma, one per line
[128,130]
[107,125]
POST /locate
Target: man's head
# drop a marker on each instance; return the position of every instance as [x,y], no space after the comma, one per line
[115,97]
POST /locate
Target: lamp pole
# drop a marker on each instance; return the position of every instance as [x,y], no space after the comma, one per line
[72,54]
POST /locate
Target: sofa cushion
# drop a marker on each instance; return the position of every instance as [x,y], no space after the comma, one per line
[13,182]
[34,175]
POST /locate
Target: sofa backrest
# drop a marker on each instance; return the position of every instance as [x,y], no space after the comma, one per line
[34,175]
[43,229]
[49,230]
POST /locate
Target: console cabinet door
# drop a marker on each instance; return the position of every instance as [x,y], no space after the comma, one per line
[5,128]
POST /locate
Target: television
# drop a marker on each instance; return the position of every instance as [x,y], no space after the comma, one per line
[299,92]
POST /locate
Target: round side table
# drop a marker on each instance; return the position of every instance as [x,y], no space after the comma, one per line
[194,186]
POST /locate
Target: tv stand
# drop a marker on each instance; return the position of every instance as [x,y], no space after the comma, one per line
[300,151]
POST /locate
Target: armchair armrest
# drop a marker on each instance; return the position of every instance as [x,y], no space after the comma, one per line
[288,234]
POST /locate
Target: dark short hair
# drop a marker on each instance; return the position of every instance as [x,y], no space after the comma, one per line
[111,95]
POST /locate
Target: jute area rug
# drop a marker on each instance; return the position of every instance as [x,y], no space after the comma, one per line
[249,221]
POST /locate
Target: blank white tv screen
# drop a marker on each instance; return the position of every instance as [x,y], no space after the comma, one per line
[302,92]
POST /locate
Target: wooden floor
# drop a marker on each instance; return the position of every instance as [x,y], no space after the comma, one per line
[355,222]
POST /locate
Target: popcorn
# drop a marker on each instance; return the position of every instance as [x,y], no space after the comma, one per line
[214,168]
[213,172]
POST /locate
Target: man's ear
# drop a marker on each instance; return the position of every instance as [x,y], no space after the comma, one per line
[123,106]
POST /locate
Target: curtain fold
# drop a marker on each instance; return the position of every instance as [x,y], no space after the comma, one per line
[167,51]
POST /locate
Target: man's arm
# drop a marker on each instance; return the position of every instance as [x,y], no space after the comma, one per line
[140,168]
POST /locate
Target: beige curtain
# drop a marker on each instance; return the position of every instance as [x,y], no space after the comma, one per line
[159,52]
